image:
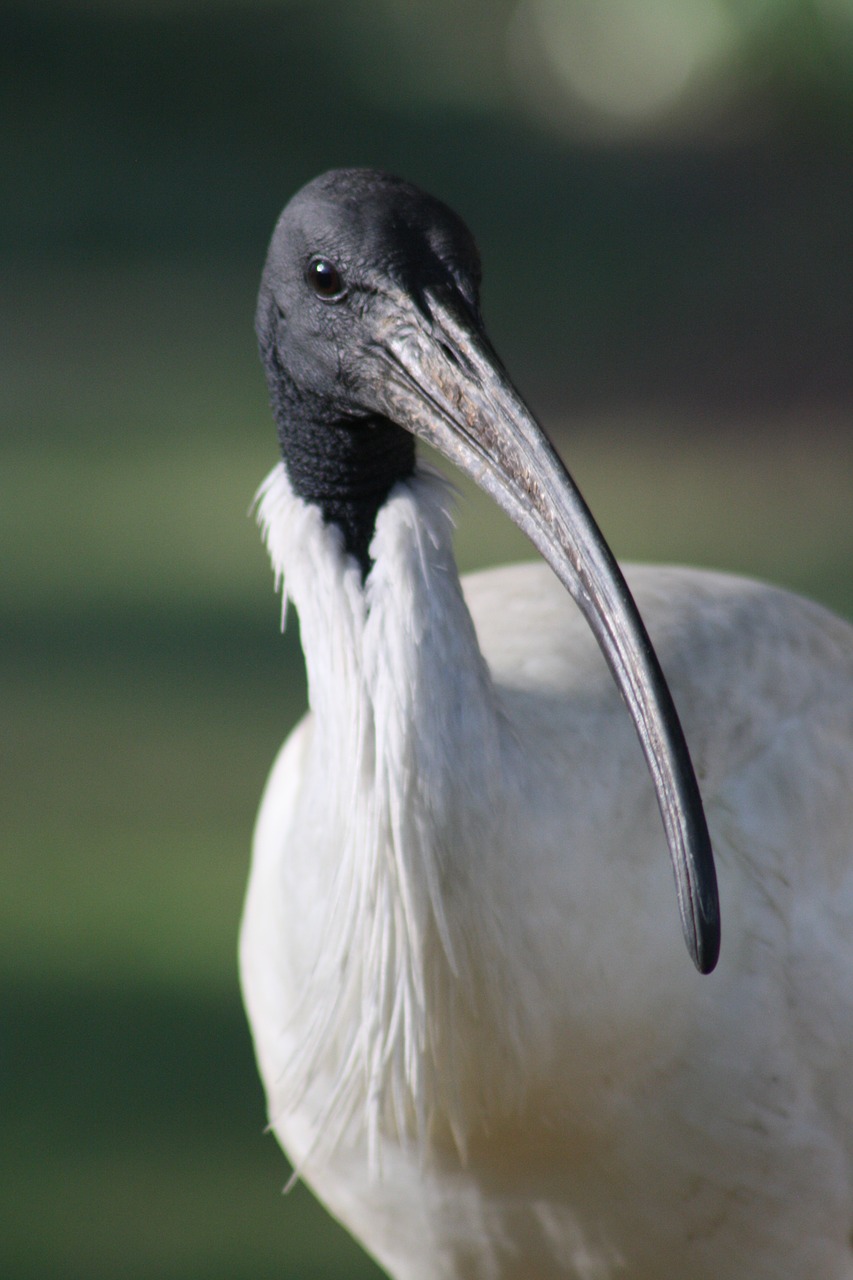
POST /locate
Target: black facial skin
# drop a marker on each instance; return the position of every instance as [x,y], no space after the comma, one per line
[344,244]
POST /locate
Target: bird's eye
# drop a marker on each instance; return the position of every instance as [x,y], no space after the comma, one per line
[325,279]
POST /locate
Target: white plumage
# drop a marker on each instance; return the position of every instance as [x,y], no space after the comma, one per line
[478,1035]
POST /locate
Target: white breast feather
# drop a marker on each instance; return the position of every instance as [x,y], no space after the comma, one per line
[399,783]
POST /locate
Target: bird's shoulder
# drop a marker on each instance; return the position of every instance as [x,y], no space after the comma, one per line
[708,627]
[762,680]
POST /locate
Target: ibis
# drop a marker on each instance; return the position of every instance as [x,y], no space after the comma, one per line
[480,1039]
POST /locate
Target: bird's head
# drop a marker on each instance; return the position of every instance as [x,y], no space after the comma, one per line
[353,255]
[371,335]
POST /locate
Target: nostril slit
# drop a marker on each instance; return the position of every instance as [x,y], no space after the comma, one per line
[451,354]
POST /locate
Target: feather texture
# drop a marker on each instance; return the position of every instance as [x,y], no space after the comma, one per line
[403,787]
[456,1054]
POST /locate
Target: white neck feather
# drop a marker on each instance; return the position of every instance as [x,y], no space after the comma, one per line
[403,792]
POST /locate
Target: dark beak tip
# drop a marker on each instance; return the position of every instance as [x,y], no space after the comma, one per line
[702,930]
[705,950]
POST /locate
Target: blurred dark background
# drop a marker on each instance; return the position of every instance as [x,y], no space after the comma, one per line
[662,194]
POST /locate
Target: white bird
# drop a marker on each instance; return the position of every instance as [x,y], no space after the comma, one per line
[479,1040]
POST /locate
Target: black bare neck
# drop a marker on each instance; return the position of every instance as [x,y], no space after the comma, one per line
[346,465]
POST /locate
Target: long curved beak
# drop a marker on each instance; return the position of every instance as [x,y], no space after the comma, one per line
[442,381]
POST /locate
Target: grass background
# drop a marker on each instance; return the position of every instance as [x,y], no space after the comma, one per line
[680,317]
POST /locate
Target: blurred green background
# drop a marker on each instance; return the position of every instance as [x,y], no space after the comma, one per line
[662,194]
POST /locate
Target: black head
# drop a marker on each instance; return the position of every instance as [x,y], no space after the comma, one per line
[345,250]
